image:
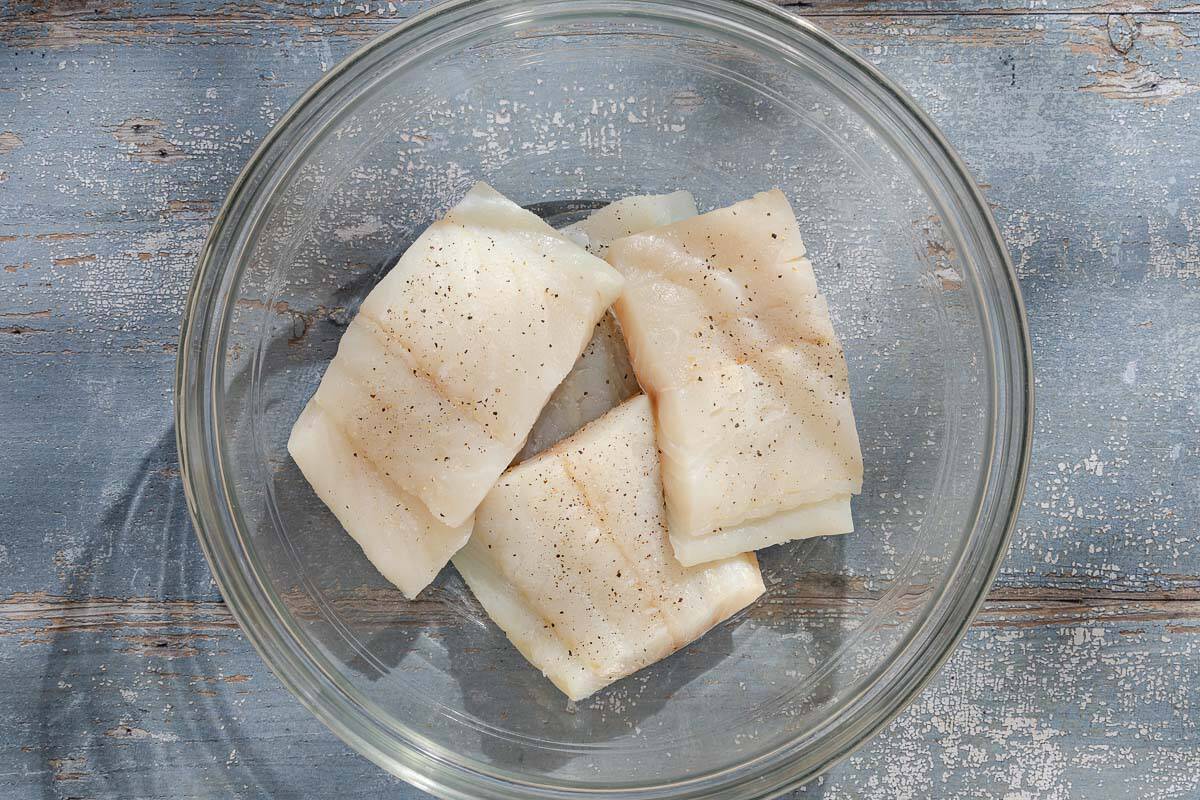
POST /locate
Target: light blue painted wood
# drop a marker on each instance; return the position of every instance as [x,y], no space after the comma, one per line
[121,130]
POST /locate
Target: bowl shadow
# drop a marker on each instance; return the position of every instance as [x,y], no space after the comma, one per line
[148,696]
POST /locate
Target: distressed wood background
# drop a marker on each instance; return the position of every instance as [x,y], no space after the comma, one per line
[123,123]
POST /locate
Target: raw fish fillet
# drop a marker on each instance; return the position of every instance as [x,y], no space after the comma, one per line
[600,380]
[823,518]
[440,376]
[732,340]
[570,558]
[628,216]
[396,532]
[480,320]
[602,377]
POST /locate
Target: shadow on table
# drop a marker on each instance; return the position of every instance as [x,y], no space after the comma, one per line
[161,696]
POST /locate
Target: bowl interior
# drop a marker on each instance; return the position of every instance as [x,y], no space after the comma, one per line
[562,107]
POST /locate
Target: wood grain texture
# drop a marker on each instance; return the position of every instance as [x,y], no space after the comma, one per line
[287,11]
[122,125]
[150,699]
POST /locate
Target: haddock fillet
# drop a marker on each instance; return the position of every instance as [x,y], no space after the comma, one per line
[732,340]
[570,558]
[440,376]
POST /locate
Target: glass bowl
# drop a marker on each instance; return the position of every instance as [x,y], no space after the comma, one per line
[564,106]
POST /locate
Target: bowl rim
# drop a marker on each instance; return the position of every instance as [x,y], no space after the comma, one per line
[264,622]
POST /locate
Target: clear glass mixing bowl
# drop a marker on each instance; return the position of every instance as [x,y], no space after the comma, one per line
[562,106]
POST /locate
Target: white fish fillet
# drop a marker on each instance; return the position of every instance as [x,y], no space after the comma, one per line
[732,340]
[396,532]
[570,558]
[602,378]
[823,518]
[440,376]
[480,320]
[628,216]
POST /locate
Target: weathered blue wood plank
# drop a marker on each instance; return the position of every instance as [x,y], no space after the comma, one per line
[1044,702]
[118,698]
[218,11]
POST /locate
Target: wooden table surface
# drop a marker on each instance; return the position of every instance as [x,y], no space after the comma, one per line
[124,122]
